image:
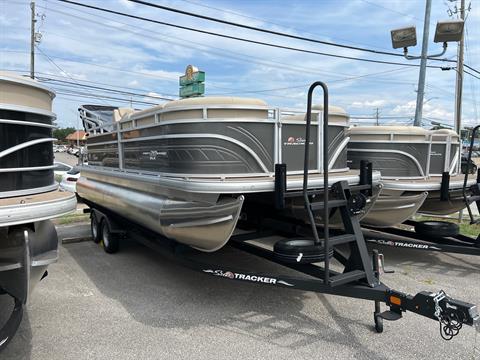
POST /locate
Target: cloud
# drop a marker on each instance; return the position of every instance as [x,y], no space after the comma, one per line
[368,104]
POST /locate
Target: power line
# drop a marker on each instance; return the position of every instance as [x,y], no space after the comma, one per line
[54,64]
[197,3]
[475,76]
[267,31]
[46,79]
[204,17]
[297,37]
[239,38]
[471,68]
[49,77]
[392,10]
[305,85]
[101,97]
[238,57]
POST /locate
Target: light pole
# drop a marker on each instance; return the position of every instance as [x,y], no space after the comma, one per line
[446,31]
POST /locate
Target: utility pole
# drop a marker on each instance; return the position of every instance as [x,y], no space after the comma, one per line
[377,116]
[32,41]
[459,82]
[423,65]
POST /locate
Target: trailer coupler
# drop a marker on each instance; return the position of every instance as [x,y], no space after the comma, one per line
[451,313]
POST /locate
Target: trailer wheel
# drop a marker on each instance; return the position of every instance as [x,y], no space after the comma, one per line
[94,228]
[303,251]
[378,324]
[109,240]
[437,229]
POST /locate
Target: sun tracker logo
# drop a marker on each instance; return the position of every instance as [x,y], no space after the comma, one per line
[246,277]
[294,141]
[403,244]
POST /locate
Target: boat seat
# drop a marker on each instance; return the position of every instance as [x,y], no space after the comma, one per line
[121,112]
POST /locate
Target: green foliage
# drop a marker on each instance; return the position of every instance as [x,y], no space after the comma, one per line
[62,133]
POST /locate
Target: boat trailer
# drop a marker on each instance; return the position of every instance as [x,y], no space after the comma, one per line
[302,249]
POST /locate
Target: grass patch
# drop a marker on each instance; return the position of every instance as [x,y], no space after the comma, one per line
[71,219]
[465,227]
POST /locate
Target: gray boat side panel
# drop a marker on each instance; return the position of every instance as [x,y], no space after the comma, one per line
[293,142]
[336,135]
[257,136]
[437,158]
[189,155]
[341,161]
[103,155]
[453,153]
[293,146]
[391,163]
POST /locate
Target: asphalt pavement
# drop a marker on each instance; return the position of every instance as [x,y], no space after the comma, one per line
[136,304]
[66,158]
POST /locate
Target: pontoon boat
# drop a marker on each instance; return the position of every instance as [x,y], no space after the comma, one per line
[28,191]
[420,171]
[185,169]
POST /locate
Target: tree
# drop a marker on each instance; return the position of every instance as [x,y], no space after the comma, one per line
[62,133]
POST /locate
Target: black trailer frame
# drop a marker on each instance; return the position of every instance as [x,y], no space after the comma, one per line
[449,312]
[409,239]
[361,275]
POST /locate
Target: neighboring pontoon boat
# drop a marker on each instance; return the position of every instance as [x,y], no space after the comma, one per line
[420,171]
[28,191]
[185,169]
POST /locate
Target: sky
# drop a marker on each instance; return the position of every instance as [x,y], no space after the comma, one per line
[86,46]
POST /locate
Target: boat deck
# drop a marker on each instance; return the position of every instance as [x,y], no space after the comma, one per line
[430,184]
[37,207]
[190,183]
[35,198]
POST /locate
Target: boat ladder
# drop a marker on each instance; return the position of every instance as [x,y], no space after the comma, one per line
[348,200]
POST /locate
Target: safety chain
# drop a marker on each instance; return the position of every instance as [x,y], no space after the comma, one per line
[449,326]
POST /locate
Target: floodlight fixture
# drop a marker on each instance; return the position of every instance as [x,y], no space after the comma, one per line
[449,31]
[404,37]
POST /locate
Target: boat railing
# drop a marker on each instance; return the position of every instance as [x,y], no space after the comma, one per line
[476,192]
[306,162]
[94,123]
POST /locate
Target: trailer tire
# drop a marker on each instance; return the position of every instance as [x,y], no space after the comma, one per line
[303,251]
[95,228]
[110,240]
[437,229]
[378,324]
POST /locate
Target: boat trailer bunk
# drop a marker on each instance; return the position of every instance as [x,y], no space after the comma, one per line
[302,249]
[425,237]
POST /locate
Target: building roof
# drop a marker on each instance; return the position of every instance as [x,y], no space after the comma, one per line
[79,134]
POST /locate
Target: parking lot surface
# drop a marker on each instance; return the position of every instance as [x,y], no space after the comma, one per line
[138,305]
